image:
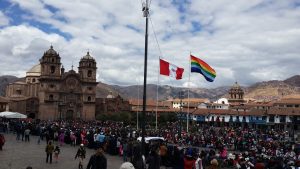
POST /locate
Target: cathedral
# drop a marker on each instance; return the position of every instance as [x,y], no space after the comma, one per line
[48,92]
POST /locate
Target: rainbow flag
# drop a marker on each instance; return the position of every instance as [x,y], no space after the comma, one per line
[199,66]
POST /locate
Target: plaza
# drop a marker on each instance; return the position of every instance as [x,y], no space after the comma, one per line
[20,154]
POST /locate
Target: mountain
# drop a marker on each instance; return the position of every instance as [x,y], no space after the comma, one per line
[268,90]
[274,89]
[4,81]
[166,92]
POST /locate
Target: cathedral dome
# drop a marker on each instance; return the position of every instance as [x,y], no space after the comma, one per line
[51,51]
[87,57]
[34,71]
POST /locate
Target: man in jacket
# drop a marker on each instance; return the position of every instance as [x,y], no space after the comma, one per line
[98,160]
[49,150]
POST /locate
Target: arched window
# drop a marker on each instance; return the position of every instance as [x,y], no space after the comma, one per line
[89,74]
[33,80]
[52,69]
[89,98]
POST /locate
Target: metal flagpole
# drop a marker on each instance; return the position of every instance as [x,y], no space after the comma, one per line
[137,112]
[188,112]
[157,93]
[146,14]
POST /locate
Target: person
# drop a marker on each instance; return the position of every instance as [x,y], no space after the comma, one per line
[81,155]
[213,164]
[56,153]
[127,165]
[49,150]
[154,159]
[2,141]
[26,133]
[98,160]
[198,163]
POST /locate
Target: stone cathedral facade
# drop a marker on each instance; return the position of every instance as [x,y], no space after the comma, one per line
[48,92]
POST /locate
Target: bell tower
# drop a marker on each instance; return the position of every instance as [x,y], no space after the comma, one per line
[236,94]
[87,68]
[50,64]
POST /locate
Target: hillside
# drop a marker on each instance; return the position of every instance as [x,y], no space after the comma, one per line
[4,81]
[268,90]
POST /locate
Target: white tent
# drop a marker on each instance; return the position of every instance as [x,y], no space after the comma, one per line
[12,115]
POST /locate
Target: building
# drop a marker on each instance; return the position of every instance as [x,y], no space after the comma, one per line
[48,92]
[3,104]
[236,94]
[111,105]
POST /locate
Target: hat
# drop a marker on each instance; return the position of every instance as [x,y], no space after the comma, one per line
[127,165]
[214,162]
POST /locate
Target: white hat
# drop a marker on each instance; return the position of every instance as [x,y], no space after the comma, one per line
[127,165]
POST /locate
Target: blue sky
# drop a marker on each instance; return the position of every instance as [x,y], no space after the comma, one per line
[244,41]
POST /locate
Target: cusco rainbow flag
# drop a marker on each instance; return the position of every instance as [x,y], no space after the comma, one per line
[199,66]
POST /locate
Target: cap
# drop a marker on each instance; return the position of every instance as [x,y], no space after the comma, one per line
[127,165]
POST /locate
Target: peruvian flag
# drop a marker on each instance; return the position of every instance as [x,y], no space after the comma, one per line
[169,69]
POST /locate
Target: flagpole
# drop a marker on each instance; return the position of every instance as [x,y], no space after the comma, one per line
[157,92]
[146,14]
[187,117]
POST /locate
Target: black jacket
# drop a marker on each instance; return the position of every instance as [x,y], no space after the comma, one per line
[97,162]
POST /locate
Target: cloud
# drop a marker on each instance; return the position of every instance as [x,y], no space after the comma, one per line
[3,19]
[247,41]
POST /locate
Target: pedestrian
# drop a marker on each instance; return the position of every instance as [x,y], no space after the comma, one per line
[98,160]
[26,133]
[56,153]
[2,141]
[154,159]
[49,150]
[81,155]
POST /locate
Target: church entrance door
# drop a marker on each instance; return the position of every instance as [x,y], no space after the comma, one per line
[69,115]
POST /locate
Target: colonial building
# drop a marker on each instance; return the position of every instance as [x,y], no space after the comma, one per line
[3,104]
[48,92]
[112,105]
[236,94]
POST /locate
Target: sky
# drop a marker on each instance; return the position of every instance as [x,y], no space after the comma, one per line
[244,41]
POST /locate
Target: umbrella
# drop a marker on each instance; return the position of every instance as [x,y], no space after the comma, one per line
[12,115]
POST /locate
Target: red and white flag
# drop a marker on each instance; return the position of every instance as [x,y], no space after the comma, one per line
[169,69]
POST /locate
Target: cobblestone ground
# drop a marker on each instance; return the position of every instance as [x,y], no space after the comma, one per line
[19,155]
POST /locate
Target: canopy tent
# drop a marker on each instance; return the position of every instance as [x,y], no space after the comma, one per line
[148,139]
[12,115]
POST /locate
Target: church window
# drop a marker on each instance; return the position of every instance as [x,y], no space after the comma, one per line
[52,69]
[90,65]
[33,80]
[90,88]
[51,97]
[52,60]
[89,98]
[52,86]
[89,74]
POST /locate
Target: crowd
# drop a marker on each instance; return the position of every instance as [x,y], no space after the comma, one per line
[206,147]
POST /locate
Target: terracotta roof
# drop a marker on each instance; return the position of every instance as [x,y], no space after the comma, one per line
[212,111]
[284,111]
[288,101]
